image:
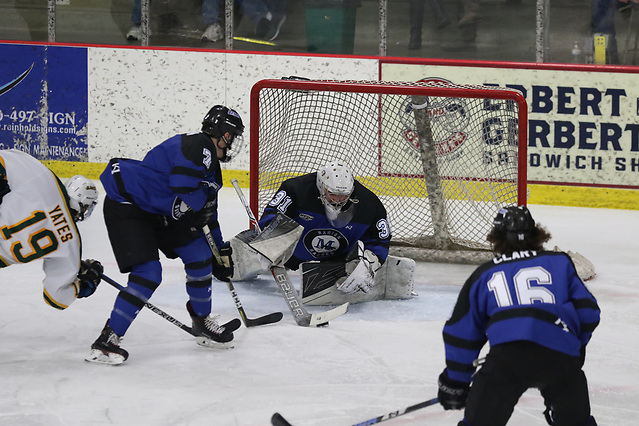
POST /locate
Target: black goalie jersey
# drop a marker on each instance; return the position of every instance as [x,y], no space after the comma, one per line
[363,218]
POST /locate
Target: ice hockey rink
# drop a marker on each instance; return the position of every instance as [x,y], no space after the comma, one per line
[380,357]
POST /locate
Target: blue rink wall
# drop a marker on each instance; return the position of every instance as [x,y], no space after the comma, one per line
[76,107]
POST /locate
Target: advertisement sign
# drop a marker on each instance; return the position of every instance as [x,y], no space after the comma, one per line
[583,125]
[43,101]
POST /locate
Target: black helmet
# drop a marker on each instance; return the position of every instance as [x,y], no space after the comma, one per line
[220,120]
[515,221]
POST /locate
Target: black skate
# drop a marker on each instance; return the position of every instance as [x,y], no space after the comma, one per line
[209,333]
[106,349]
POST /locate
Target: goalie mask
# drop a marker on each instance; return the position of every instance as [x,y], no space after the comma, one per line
[335,184]
[517,222]
[83,197]
[221,120]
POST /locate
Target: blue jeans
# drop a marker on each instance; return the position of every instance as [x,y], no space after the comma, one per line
[257,9]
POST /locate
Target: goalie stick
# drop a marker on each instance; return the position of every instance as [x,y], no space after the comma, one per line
[248,322]
[153,308]
[278,420]
[301,316]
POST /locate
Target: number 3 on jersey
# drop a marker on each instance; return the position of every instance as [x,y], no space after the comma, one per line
[526,292]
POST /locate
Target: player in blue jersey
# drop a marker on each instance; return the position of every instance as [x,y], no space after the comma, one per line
[342,220]
[537,316]
[159,204]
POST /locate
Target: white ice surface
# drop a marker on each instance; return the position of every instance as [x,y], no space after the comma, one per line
[379,357]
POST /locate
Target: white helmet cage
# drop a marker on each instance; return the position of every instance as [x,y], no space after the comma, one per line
[83,196]
[335,178]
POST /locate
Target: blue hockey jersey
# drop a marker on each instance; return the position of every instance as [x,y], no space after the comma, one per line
[183,169]
[527,295]
[298,198]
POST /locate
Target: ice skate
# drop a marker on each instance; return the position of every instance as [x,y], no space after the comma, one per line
[210,333]
[106,349]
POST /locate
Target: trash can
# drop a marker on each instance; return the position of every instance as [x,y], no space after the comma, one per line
[330,26]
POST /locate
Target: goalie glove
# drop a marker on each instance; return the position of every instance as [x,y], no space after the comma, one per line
[89,277]
[361,272]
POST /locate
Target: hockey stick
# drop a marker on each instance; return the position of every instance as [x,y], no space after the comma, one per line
[300,314]
[248,322]
[278,420]
[153,308]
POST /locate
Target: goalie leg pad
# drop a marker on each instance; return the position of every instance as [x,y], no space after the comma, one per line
[398,276]
[394,280]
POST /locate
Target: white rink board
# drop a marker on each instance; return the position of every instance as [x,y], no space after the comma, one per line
[138,98]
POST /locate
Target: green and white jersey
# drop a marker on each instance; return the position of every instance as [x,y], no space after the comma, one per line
[36,223]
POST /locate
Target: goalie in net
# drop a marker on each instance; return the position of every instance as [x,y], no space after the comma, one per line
[343,247]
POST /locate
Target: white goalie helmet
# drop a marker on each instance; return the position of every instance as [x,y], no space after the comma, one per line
[335,184]
[83,196]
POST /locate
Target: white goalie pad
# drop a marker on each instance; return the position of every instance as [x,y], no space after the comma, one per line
[254,252]
[585,268]
[394,280]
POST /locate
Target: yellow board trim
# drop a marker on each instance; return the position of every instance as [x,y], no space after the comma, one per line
[554,195]
[583,196]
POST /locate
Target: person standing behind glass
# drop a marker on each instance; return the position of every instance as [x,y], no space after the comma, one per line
[210,17]
[416,19]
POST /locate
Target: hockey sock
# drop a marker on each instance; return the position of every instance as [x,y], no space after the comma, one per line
[143,281]
[199,291]
[198,265]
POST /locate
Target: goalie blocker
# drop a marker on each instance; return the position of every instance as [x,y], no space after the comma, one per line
[254,252]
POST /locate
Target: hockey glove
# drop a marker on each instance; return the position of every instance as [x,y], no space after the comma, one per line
[224,271]
[452,394]
[361,271]
[197,219]
[89,277]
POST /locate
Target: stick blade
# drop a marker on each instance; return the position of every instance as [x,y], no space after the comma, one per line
[319,319]
[278,420]
[263,320]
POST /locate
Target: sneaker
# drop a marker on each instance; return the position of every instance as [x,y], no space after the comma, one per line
[106,349]
[211,334]
[274,28]
[213,33]
[135,33]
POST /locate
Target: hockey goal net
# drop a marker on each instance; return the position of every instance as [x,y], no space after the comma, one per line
[443,158]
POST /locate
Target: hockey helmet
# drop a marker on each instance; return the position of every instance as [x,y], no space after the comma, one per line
[335,184]
[83,197]
[221,120]
[516,222]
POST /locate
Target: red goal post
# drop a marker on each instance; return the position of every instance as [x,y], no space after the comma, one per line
[443,158]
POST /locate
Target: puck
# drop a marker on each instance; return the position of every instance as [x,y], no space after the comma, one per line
[324,324]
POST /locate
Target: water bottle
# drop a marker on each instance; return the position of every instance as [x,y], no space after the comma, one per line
[576,53]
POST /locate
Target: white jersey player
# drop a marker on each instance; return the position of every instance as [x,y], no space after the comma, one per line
[37,221]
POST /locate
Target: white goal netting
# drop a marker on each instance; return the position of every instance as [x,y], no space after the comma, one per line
[443,158]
